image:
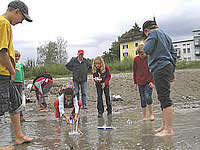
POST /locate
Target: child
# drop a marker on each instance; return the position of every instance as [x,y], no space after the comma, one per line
[19,78]
[41,85]
[67,100]
[162,64]
[101,76]
[144,80]
[16,12]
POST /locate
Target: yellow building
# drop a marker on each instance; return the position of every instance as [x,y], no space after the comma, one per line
[129,42]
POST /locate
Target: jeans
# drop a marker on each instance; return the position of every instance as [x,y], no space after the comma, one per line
[145,95]
[162,79]
[100,106]
[83,91]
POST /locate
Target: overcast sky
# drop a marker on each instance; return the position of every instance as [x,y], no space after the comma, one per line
[92,25]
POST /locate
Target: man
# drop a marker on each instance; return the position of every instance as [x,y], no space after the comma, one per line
[80,68]
[9,96]
[162,63]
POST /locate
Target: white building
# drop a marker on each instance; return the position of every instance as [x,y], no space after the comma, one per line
[189,49]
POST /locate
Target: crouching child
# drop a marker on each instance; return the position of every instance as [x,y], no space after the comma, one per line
[67,99]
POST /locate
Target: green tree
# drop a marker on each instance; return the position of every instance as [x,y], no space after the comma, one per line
[113,54]
[52,52]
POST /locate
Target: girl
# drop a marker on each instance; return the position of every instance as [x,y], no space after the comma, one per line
[101,76]
[67,100]
[143,79]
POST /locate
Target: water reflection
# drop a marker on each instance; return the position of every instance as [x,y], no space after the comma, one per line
[104,136]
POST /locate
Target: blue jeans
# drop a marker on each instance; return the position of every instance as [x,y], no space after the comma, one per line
[83,86]
[145,95]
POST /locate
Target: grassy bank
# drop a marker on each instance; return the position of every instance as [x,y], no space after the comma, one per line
[115,67]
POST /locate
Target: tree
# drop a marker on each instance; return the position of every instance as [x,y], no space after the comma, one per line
[61,48]
[113,53]
[52,52]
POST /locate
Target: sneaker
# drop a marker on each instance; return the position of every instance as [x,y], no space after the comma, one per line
[22,118]
[84,107]
[100,115]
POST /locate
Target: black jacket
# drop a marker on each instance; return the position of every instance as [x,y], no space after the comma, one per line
[79,70]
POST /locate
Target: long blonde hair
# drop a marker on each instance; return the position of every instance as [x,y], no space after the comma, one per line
[102,68]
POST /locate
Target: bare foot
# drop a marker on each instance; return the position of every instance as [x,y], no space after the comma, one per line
[23,140]
[7,147]
[159,129]
[144,119]
[44,110]
[165,133]
[152,117]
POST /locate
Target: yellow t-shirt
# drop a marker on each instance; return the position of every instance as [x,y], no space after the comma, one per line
[6,42]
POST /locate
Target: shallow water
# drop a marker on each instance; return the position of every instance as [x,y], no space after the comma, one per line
[129,131]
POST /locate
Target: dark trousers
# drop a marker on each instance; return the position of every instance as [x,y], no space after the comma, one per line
[162,79]
[100,106]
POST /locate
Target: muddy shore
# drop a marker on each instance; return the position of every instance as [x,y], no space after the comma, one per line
[135,135]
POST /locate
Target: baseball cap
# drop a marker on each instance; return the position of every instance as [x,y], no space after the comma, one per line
[80,51]
[17,4]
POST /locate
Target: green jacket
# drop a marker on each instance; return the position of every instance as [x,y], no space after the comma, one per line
[19,75]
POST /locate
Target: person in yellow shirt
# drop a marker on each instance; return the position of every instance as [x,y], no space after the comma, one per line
[10,99]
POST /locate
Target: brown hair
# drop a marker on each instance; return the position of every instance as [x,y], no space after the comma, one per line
[94,68]
[140,47]
[153,27]
[17,53]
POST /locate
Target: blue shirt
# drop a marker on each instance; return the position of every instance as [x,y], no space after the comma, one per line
[160,49]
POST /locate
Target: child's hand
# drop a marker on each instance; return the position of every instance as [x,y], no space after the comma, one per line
[135,87]
[103,85]
[76,117]
[173,78]
[67,120]
[151,85]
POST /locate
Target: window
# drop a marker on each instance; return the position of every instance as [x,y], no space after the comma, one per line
[183,44]
[125,54]
[175,45]
[136,44]
[188,43]
[184,50]
[188,50]
[125,46]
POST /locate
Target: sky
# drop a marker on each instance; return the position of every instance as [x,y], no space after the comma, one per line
[92,25]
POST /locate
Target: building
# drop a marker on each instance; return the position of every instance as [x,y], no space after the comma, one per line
[186,49]
[129,42]
[189,49]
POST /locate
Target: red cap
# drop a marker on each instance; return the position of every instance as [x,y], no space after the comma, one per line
[80,51]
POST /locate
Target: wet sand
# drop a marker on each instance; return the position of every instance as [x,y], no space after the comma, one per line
[133,134]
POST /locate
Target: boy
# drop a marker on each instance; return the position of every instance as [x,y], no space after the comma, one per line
[17,11]
[19,78]
[162,63]
[143,79]
[41,85]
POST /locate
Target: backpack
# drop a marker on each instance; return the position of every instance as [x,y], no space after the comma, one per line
[43,75]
